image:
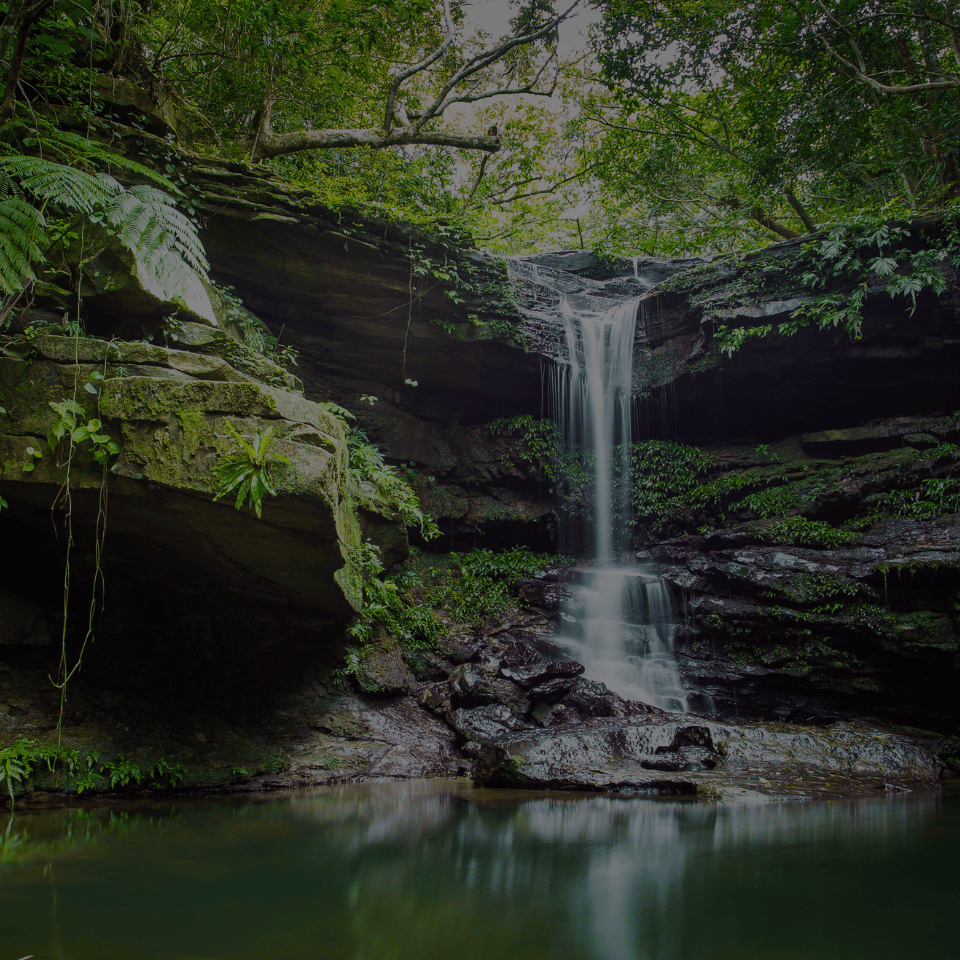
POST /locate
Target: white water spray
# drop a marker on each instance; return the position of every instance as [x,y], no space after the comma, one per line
[620,622]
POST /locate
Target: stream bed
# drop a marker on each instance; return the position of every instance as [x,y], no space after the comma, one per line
[438,870]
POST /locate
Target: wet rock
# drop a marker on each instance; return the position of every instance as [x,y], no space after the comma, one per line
[789,632]
[713,760]
[543,594]
[525,666]
[550,691]
[382,670]
[473,685]
[486,723]
[435,697]
[588,699]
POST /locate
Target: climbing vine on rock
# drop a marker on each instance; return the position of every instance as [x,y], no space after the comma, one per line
[394,494]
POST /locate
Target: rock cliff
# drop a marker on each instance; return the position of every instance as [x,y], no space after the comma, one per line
[219,637]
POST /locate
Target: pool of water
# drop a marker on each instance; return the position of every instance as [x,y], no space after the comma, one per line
[440,870]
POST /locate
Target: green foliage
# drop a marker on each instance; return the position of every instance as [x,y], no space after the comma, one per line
[769,502]
[393,488]
[388,605]
[74,422]
[539,441]
[807,533]
[39,192]
[726,125]
[22,232]
[855,259]
[662,473]
[413,607]
[935,497]
[83,771]
[248,472]
[368,464]
[477,586]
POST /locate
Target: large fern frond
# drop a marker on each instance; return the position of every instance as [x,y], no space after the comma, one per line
[22,229]
[63,186]
[152,228]
[143,217]
[76,147]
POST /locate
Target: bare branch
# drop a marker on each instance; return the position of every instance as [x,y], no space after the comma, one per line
[485,59]
[418,68]
[506,91]
[279,144]
[552,188]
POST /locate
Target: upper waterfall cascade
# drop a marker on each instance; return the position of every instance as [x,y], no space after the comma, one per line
[621,620]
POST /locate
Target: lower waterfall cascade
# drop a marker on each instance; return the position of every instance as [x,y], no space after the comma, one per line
[621,620]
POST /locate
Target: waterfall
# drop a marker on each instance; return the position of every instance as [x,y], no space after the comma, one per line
[621,620]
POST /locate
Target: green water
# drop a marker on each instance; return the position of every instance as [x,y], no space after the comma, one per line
[426,871]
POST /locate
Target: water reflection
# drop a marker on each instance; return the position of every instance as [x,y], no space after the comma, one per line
[413,871]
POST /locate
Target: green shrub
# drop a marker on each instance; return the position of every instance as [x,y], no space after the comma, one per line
[662,473]
[807,533]
[368,464]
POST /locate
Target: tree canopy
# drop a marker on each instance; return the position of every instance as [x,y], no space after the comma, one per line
[774,118]
[681,127]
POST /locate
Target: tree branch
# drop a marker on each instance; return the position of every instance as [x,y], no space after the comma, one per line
[765,220]
[860,71]
[265,143]
[417,68]
[801,212]
[476,183]
[280,144]
[485,59]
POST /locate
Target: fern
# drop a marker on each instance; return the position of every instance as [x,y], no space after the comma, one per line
[22,230]
[248,471]
[77,149]
[61,185]
[143,217]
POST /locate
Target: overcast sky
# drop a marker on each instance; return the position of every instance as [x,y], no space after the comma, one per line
[494,17]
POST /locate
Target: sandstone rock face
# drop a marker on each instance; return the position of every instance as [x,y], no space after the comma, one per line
[905,363]
[795,633]
[223,633]
[168,412]
[364,302]
[821,580]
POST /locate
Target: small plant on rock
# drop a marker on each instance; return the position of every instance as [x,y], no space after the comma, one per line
[248,471]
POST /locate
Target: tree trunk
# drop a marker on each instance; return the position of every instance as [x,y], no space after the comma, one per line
[29,14]
[765,220]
